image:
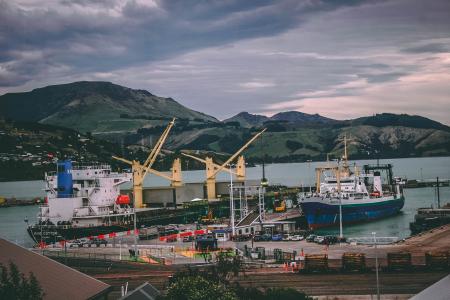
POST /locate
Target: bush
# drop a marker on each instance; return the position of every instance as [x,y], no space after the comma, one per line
[14,284]
[198,288]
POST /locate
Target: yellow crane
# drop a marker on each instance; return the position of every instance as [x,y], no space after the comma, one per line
[140,170]
[212,168]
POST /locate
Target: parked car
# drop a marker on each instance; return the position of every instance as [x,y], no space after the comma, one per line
[310,238]
[277,237]
[262,237]
[187,239]
[319,239]
[171,240]
[287,237]
[297,238]
[75,243]
[330,239]
[96,242]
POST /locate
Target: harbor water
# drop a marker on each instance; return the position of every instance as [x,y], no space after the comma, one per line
[13,226]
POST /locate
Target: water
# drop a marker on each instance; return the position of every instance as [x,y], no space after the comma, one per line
[12,225]
[398,225]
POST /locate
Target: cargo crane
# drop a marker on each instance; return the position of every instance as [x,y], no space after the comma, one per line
[212,168]
[140,170]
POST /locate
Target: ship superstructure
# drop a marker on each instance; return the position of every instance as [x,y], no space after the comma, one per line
[81,199]
[359,195]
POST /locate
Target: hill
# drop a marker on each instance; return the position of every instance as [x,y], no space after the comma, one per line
[117,118]
[96,107]
[248,120]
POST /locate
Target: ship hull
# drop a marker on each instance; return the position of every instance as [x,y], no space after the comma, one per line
[54,233]
[319,214]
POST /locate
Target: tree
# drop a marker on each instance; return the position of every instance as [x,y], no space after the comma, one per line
[198,288]
[14,284]
[293,145]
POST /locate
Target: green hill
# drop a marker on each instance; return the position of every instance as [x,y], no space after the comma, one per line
[97,107]
[119,118]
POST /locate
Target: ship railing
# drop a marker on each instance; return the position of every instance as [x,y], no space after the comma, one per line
[92,167]
[380,240]
[66,196]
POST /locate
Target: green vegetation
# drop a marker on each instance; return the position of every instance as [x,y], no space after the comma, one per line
[15,285]
[90,121]
[216,282]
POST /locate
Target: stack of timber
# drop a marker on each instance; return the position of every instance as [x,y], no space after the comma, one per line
[316,262]
[399,261]
[437,260]
[352,261]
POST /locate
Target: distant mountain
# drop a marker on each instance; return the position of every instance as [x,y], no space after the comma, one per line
[134,119]
[299,117]
[94,107]
[386,119]
[246,119]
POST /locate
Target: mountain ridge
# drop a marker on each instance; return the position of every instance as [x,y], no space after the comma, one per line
[93,106]
[136,118]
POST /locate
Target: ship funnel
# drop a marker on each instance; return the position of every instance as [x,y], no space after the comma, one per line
[64,173]
[377,186]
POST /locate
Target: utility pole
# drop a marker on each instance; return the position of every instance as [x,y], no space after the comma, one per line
[135,235]
[438,195]
[338,180]
[309,171]
[376,264]
[231,202]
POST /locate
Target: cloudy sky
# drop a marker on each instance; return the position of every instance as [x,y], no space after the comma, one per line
[341,59]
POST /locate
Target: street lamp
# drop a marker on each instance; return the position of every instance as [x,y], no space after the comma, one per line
[231,202]
[309,174]
[374,234]
[341,233]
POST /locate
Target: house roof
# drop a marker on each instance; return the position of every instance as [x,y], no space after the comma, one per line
[57,280]
[249,219]
[438,291]
[146,291]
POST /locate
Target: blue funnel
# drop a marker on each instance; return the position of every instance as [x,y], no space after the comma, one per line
[64,178]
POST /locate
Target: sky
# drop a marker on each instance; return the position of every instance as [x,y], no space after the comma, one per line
[341,59]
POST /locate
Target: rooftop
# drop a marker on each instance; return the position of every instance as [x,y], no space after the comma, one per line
[57,280]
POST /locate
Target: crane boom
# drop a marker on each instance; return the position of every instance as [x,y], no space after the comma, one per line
[238,152]
[150,160]
[123,160]
[194,157]
[160,174]
[158,144]
[204,161]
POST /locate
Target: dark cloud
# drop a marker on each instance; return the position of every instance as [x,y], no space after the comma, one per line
[98,36]
[428,48]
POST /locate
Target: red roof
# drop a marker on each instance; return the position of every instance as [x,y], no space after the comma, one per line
[57,280]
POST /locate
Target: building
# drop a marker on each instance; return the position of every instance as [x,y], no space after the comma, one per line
[145,291]
[57,280]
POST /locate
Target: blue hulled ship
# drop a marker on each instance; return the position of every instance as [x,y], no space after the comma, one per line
[361,195]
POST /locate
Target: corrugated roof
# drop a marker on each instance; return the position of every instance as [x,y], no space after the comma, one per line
[57,280]
[438,291]
[146,291]
[249,219]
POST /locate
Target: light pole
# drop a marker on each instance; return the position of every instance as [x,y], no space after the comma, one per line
[309,174]
[231,202]
[374,234]
[338,180]
[135,235]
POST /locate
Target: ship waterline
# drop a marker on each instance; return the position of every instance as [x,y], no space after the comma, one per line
[321,215]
